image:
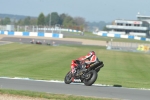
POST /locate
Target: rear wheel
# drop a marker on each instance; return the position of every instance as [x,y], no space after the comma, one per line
[68,78]
[90,78]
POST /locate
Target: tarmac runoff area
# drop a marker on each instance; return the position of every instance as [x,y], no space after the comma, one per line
[57,40]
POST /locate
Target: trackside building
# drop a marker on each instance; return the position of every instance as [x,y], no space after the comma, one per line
[139,27]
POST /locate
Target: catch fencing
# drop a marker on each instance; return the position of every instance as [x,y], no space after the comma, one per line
[133,47]
[33,28]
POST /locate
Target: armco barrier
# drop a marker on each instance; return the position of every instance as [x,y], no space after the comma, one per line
[55,35]
[38,34]
[24,33]
[1,32]
[105,34]
[41,34]
[10,33]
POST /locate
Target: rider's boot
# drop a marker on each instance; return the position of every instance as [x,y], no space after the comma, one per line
[72,79]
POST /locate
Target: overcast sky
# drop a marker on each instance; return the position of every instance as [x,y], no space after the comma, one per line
[91,10]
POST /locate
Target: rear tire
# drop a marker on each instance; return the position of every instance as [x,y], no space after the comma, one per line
[91,78]
[68,78]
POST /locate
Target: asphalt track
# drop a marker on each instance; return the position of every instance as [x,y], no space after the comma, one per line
[75,89]
[72,89]
[44,41]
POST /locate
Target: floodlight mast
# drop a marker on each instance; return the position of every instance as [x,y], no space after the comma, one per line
[50,20]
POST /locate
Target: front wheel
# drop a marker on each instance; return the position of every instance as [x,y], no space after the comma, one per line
[68,78]
[90,78]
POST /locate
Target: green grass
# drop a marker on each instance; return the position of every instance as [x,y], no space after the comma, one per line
[127,69]
[49,96]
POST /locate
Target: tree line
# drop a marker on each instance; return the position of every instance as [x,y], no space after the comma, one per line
[52,19]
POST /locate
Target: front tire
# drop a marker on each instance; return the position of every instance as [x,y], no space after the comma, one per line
[91,77]
[68,78]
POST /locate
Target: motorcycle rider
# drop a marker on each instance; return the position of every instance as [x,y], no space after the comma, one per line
[86,61]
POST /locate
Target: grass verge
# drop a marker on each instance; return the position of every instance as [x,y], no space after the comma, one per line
[127,69]
[47,96]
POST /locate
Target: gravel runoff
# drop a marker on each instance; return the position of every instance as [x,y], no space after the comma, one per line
[17,97]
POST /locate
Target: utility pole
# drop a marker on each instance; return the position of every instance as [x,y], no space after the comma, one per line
[50,20]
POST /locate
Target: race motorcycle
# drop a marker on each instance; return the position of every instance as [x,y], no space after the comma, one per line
[38,42]
[86,75]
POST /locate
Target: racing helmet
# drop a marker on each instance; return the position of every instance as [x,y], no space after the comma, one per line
[91,53]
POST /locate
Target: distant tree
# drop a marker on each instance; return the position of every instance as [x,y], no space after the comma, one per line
[68,22]
[64,20]
[5,21]
[54,18]
[27,21]
[47,19]
[41,19]
[1,21]
[20,22]
[80,22]
[33,21]
[62,17]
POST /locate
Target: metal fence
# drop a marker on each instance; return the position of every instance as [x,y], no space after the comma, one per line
[133,47]
[32,28]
